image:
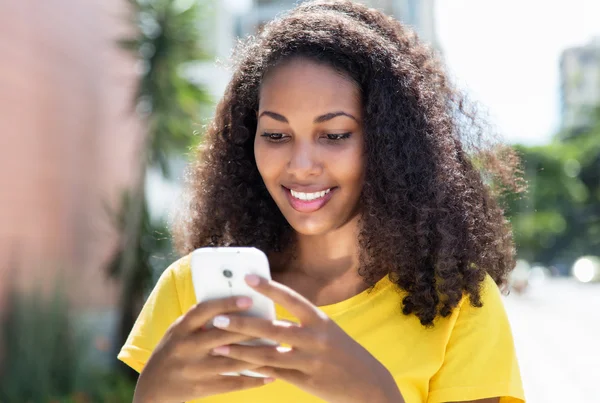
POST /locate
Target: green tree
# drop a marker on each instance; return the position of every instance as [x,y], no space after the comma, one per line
[167,40]
[559,220]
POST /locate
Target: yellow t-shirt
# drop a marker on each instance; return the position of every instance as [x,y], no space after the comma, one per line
[467,356]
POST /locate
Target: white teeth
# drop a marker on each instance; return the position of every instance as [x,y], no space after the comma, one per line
[309,196]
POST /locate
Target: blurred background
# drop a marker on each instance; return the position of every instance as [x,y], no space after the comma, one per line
[102,101]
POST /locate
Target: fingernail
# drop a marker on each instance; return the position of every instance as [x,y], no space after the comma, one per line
[252,279]
[244,302]
[269,380]
[221,321]
[222,350]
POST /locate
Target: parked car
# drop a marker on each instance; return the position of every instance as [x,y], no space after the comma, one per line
[587,269]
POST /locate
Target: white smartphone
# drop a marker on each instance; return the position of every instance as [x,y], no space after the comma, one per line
[218,272]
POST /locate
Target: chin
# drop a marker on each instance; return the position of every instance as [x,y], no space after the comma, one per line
[317,224]
[311,227]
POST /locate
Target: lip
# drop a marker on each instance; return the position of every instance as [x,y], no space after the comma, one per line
[308,206]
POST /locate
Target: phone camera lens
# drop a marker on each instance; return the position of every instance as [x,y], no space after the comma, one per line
[227,273]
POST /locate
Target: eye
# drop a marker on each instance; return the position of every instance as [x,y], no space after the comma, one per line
[274,137]
[337,137]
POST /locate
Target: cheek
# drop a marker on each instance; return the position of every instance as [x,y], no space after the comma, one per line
[350,167]
[265,162]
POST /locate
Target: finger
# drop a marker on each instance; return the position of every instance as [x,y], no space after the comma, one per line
[278,331]
[224,384]
[295,303]
[203,341]
[202,312]
[215,365]
[292,376]
[279,357]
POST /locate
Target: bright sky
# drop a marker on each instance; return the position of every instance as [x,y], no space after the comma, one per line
[506,53]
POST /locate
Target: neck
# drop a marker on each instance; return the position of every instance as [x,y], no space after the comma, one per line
[327,257]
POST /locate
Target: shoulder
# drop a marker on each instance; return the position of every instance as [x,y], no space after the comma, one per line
[470,322]
[172,296]
[491,299]
[491,306]
[479,359]
[486,326]
[179,270]
[178,277]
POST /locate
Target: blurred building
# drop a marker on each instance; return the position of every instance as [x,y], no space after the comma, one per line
[579,83]
[416,13]
[68,138]
[234,19]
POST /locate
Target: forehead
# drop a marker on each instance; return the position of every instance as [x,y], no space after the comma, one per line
[302,84]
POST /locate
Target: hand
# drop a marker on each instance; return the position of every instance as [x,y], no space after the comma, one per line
[181,367]
[323,360]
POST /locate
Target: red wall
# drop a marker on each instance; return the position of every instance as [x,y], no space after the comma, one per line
[67,141]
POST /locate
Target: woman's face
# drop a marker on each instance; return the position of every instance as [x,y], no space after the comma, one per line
[309,145]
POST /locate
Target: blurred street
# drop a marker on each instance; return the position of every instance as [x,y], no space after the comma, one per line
[104,103]
[556,325]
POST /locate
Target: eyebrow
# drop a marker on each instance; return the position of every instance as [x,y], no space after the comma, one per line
[318,119]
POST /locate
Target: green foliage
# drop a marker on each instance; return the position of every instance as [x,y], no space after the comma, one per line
[151,248]
[41,350]
[45,355]
[559,220]
[168,40]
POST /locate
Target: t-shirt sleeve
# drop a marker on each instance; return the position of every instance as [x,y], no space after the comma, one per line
[161,309]
[480,360]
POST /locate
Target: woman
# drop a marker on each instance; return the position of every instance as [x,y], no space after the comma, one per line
[340,150]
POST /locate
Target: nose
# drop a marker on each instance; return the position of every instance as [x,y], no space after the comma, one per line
[304,160]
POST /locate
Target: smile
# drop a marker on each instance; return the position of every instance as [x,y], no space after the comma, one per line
[305,202]
[309,196]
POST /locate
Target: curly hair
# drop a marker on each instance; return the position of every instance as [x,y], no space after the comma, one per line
[431,214]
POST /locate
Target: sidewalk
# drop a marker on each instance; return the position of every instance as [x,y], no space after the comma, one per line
[556,326]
